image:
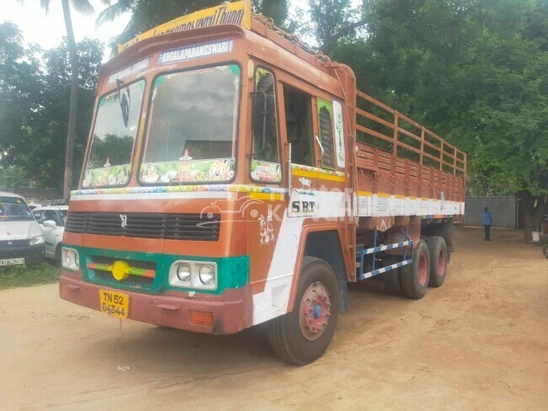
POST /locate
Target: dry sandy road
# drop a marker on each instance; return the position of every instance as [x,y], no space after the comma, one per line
[480,342]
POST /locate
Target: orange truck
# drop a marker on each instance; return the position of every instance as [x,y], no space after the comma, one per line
[234,177]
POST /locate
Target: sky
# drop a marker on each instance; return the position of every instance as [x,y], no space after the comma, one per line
[48,30]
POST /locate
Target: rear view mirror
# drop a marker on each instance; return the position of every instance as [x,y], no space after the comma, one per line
[50,224]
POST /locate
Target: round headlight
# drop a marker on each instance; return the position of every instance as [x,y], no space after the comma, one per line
[183,273]
[207,275]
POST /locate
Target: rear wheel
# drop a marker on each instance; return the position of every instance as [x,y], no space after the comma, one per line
[438,261]
[58,255]
[415,276]
[302,336]
[392,282]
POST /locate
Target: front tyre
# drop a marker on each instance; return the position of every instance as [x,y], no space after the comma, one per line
[303,335]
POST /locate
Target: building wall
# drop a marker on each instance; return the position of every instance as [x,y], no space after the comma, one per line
[503,209]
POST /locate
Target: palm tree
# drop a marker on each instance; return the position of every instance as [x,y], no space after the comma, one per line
[85,7]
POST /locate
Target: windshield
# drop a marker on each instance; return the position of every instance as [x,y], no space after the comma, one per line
[13,208]
[114,135]
[192,127]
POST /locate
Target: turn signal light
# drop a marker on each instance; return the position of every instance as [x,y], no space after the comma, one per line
[201,318]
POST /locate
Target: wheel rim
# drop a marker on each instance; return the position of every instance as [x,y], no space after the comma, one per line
[442,263]
[314,311]
[423,269]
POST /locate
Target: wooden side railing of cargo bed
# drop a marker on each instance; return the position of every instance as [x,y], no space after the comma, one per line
[406,138]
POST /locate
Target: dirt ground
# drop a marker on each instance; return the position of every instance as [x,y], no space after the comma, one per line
[480,342]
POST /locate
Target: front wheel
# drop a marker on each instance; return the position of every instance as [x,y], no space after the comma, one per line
[302,336]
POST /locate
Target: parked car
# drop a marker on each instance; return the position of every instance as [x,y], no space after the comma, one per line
[21,239]
[34,206]
[52,221]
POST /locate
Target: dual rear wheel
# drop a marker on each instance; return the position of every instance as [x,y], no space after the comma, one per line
[429,268]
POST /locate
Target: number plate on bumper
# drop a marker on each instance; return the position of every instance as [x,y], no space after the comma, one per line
[114,304]
[12,261]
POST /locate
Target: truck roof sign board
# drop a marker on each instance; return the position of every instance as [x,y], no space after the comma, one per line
[237,13]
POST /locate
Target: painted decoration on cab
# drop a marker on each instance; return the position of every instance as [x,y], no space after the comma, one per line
[107,176]
[339,133]
[196,171]
[266,171]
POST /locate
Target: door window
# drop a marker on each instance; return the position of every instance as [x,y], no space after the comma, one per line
[298,119]
[265,162]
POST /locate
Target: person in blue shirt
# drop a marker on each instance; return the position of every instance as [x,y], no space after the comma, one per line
[487,222]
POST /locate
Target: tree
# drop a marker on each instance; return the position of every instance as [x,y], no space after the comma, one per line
[85,7]
[20,92]
[13,176]
[473,71]
[44,156]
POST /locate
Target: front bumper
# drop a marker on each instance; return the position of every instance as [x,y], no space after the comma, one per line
[232,311]
[33,254]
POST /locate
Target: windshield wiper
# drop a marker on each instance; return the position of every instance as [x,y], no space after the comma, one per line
[125,102]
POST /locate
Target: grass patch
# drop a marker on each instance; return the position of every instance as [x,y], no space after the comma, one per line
[22,276]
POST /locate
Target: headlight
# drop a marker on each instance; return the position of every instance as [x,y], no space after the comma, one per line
[70,259]
[207,275]
[37,240]
[193,274]
[183,273]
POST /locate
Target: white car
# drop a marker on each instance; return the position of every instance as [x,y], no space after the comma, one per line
[52,221]
[21,239]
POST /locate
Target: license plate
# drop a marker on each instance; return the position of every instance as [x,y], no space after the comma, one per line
[12,261]
[114,304]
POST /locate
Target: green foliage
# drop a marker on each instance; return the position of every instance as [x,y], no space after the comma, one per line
[34,105]
[472,71]
[23,276]
[13,176]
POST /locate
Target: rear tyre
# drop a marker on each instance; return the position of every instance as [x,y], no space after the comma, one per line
[58,255]
[392,282]
[302,336]
[415,276]
[438,261]
[545,250]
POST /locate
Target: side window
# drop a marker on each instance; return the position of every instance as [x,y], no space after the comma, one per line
[265,162]
[325,119]
[50,215]
[37,216]
[298,118]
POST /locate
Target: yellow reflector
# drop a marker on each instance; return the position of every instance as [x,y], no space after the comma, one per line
[120,270]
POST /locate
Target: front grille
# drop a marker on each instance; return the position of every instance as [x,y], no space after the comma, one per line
[7,244]
[132,281]
[197,227]
[101,276]
[145,265]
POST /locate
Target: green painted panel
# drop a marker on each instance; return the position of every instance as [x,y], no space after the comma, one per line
[233,272]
